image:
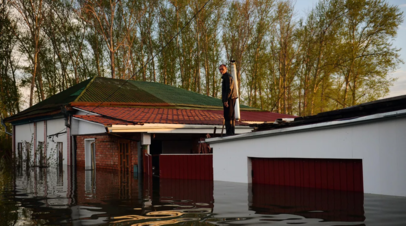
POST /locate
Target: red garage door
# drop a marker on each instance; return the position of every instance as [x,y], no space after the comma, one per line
[337,174]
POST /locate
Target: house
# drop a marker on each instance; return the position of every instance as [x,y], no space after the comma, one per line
[105,123]
[359,149]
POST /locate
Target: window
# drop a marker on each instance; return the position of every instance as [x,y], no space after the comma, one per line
[90,166]
[41,154]
[90,154]
[19,152]
[28,152]
[59,163]
[59,153]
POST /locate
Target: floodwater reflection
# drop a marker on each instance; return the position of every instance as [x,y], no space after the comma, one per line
[152,218]
[329,205]
[53,196]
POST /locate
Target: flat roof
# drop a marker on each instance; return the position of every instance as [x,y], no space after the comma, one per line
[317,126]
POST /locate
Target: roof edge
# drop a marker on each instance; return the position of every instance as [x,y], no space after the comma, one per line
[318,126]
[166,105]
[11,119]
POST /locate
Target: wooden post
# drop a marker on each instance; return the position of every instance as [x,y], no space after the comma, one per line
[222,128]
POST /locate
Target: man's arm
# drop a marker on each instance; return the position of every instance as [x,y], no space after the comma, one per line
[230,87]
[226,90]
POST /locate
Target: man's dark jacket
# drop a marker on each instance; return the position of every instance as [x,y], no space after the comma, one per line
[229,90]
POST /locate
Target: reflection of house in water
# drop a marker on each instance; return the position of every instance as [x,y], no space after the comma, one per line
[186,193]
[105,197]
[51,183]
[329,205]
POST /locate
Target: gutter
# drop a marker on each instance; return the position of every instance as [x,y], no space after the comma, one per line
[87,112]
[318,126]
[166,128]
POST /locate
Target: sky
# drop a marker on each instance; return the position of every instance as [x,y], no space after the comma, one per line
[399,87]
[303,7]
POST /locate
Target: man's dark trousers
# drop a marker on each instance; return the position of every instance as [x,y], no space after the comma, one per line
[229,117]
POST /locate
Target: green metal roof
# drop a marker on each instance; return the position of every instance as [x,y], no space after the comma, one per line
[63,97]
[178,96]
[99,89]
[116,90]
[54,102]
[122,91]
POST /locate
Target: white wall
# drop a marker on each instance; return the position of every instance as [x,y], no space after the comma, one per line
[25,133]
[80,127]
[54,126]
[381,146]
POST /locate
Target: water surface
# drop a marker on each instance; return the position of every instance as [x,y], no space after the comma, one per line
[64,197]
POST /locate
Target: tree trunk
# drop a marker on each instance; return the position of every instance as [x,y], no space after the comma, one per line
[112,64]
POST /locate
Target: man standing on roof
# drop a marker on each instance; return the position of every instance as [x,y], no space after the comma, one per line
[229,95]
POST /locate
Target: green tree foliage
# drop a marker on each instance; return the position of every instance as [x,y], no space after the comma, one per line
[337,56]
[9,93]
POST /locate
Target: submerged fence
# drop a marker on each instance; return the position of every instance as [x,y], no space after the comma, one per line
[186,166]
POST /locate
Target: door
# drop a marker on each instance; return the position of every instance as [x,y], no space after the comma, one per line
[335,174]
[124,156]
[124,170]
[156,151]
[59,149]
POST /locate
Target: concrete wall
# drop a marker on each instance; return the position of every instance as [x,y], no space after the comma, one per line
[30,134]
[381,145]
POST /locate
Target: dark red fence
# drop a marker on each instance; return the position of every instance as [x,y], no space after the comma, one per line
[335,174]
[192,166]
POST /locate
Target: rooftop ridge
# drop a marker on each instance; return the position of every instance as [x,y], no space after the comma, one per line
[85,89]
[165,105]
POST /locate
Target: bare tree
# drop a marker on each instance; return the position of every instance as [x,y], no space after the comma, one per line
[115,21]
[32,18]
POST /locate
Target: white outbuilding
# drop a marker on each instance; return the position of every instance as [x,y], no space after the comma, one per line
[361,149]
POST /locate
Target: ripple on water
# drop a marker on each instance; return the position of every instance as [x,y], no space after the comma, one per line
[103,199]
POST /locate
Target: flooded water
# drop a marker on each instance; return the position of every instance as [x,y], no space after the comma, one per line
[61,197]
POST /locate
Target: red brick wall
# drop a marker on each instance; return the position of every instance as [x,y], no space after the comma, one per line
[107,153]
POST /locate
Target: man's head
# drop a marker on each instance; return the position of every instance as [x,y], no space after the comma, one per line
[223,69]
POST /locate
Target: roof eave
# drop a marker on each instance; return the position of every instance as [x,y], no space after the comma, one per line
[171,128]
[15,118]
